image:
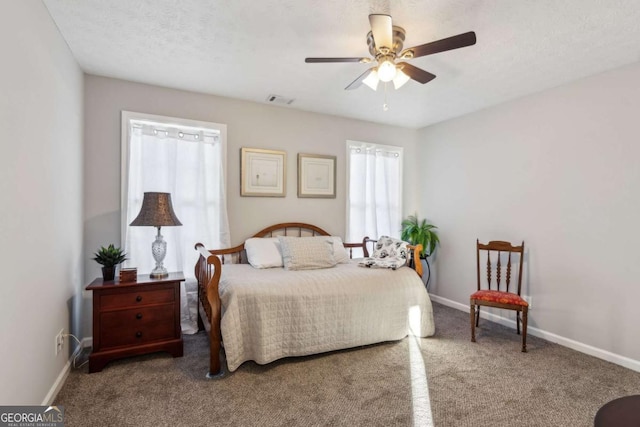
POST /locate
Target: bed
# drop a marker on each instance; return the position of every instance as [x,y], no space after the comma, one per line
[265,314]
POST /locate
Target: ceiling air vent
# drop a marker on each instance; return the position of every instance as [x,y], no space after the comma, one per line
[277,99]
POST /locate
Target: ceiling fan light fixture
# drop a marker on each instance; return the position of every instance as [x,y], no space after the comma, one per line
[386,71]
[372,79]
[385,42]
[400,79]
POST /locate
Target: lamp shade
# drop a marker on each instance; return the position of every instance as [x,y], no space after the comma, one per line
[156,211]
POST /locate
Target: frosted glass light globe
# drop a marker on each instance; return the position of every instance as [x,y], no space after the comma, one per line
[400,79]
[372,79]
[386,71]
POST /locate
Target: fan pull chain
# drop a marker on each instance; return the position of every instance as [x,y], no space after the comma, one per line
[385,106]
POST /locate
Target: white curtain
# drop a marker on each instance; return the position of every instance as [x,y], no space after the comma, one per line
[374,205]
[189,164]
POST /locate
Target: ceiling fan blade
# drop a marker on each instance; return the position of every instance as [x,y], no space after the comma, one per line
[416,73]
[358,82]
[450,43]
[321,60]
[382,30]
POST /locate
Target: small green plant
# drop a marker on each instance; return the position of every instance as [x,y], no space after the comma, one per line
[420,232]
[110,256]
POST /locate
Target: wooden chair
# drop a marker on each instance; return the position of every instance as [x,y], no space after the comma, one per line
[510,300]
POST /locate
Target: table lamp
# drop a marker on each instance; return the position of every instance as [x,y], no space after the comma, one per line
[157,211]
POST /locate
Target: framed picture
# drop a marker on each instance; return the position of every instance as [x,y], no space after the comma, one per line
[316,176]
[263,173]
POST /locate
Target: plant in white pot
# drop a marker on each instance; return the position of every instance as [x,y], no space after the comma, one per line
[416,232]
[109,258]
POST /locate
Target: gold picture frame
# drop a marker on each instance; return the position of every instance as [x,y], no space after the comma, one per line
[263,173]
[316,176]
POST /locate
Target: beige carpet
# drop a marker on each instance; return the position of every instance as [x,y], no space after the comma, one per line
[489,383]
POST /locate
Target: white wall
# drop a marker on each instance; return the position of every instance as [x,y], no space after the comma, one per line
[41,211]
[248,125]
[559,169]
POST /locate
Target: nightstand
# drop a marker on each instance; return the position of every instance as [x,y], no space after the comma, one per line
[134,318]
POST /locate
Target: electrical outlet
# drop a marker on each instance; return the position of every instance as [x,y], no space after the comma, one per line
[529,299]
[59,341]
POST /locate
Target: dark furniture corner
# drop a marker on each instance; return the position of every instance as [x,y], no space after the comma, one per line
[622,412]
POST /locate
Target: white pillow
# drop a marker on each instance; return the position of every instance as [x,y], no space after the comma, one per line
[263,252]
[307,253]
[339,251]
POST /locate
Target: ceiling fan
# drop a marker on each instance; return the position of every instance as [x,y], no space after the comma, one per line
[385,45]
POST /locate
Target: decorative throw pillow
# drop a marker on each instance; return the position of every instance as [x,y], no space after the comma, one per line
[307,253]
[389,247]
[339,252]
[263,252]
[388,253]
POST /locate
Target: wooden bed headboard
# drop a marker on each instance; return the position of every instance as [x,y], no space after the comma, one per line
[237,254]
[299,229]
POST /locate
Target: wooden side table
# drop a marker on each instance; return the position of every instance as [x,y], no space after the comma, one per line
[134,318]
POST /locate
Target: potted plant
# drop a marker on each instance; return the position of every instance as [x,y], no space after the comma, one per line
[109,258]
[416,232]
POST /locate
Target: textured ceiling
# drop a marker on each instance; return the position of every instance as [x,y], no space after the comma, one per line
[248,49]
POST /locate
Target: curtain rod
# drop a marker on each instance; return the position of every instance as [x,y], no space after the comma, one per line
[181,133]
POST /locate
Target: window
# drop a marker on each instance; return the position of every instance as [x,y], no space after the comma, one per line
[374,190]
[187,159]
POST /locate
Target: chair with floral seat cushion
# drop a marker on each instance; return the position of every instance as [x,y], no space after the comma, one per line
[505,298]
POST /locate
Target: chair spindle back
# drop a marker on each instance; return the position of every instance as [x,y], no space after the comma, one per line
[498,247]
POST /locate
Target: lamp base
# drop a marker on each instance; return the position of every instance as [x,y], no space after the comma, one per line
[158,273]
[159,250]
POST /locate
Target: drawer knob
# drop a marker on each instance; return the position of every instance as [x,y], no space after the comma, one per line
[139,316]
[138,334]
[138,298]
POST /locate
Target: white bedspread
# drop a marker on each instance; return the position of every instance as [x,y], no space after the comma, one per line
[268,314]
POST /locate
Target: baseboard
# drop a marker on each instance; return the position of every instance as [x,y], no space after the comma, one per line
[574,345]
[62,377]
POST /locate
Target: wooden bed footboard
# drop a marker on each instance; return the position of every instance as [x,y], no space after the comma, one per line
[208,270]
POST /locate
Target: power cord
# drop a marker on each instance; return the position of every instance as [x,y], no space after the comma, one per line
[79,353]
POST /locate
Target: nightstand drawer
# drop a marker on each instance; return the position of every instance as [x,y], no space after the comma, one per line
[140,298]
[137,326]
